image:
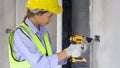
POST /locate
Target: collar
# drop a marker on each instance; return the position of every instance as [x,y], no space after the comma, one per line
[33,28]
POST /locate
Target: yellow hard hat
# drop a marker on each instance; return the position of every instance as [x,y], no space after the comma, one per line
[49,5]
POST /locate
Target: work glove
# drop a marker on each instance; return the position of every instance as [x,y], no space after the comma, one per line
[74,50]
[85,44]
[85,47]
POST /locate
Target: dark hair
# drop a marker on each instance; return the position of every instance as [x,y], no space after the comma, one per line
[30,14]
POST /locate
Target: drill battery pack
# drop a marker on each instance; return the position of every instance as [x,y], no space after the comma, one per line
[78,62]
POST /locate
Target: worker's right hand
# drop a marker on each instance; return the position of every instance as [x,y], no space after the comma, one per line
[74,50]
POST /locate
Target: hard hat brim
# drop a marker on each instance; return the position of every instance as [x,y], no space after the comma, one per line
[57,10]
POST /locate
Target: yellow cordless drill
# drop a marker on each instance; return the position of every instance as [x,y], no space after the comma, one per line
[80,39]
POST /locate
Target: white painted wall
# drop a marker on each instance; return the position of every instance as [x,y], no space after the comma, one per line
[105,21]
[59,32]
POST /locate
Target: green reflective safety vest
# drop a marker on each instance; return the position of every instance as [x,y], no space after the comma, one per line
[14,63]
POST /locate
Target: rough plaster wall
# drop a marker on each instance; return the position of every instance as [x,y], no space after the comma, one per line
[7,21]
[105,21]
[20,11]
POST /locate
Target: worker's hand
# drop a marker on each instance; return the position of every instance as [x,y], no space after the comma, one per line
[74,50]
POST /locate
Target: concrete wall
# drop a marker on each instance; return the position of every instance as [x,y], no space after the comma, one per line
[80,17]
[105,21]
[7,21]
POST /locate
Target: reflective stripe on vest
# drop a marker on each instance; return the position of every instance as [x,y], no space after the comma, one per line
[14,63]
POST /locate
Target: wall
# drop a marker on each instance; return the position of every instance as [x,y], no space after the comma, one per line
[52,28]
[80,17]
[105,21]
[7,21]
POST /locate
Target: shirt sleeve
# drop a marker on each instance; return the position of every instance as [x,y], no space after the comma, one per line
[24,48]
[62,62]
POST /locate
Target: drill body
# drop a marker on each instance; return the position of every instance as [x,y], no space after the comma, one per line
[78,39]
[85,41]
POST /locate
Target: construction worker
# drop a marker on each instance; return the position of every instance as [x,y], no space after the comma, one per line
[30,44]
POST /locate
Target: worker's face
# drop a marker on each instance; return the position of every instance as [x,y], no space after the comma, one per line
[44,19]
